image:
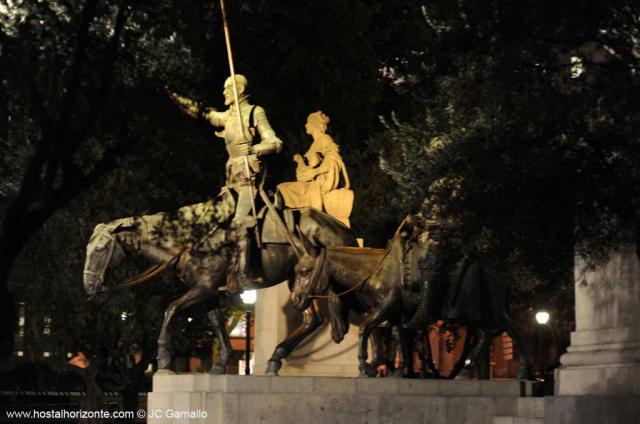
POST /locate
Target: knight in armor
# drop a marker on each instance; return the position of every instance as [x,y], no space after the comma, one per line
[243,164]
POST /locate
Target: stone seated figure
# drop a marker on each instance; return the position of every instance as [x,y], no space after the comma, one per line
[322,179]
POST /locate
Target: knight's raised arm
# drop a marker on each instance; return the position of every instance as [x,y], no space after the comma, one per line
[188,106]
[215,118]
[269,142]
[197,110]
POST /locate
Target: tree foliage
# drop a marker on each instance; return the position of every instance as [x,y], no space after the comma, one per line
[524,134]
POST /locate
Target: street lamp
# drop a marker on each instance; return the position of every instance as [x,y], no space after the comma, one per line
[542,317]
[248,298]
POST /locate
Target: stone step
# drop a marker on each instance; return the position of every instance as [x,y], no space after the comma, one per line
[531,407]
[529,410]
[337,400]
[517,420]
[339,385]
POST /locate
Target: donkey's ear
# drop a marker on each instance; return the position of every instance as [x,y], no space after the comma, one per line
[307,245]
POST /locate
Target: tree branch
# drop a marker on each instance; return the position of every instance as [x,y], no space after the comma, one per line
[101,99]
[71,92]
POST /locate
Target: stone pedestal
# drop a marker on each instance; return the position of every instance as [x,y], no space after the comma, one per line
[318,355]
[229,399]
[604,356]
[602,365]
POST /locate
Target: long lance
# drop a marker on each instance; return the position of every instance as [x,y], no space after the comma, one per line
[232,72]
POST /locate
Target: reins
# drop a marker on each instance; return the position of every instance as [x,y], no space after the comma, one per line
[151,272]
[364,280]
[354,288]
[157,269]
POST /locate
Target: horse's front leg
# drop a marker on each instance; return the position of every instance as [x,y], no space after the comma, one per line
[196,294]
[311,321]
[222,334]
[375,318]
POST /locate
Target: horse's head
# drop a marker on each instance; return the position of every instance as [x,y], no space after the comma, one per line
[103,249]
[310,276]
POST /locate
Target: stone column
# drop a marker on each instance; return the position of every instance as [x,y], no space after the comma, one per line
[318,355]
[599,380]
[604,356]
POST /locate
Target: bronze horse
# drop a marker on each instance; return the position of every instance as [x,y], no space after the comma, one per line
[204,267]
[375,276]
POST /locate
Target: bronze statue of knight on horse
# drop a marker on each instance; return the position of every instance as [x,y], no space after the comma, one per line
[238,247]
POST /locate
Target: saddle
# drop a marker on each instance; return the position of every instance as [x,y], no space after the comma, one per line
[269,227]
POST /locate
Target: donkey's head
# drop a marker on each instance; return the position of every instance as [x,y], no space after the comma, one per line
[310,275]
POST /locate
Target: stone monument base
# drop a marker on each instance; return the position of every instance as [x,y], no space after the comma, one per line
[229,399]
[317,355]
[619,409]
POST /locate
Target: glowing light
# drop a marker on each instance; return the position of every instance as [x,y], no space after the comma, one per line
[249,297]
[542,317]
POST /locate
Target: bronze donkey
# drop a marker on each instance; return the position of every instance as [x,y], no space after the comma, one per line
[376,277]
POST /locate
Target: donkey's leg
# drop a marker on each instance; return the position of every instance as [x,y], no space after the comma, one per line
[339,318]
[470,350]
[407,341]
[428,367]
[311,321]
[223,336]
[375,318]
[519,345]
[478,355]
[196,294]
